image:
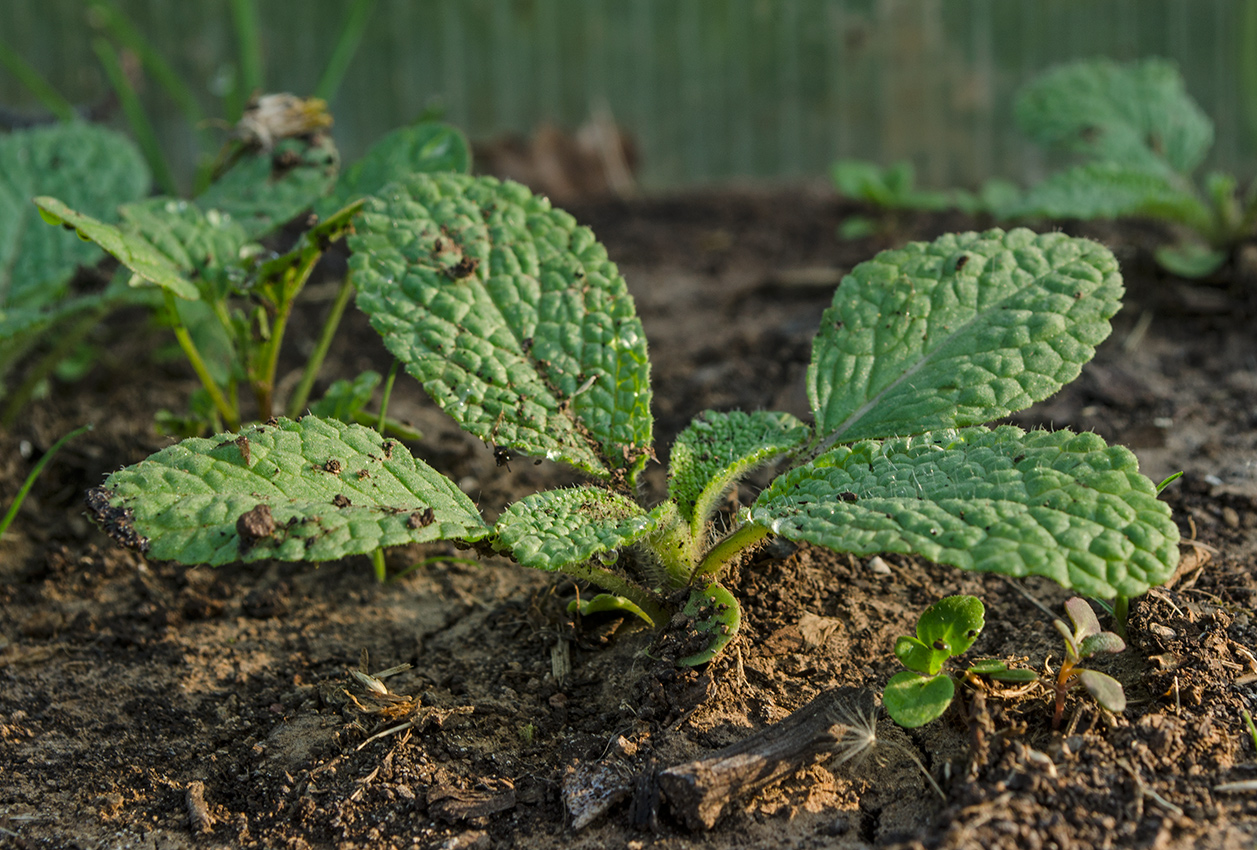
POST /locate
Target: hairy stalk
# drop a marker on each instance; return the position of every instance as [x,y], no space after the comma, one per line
[264,378]
[386,394]
[230,414]
[297,403]
[619,586]
[733,544]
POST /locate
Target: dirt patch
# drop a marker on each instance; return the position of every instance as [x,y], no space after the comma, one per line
[148,704]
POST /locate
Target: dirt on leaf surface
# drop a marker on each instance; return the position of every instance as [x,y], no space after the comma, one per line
[148,704]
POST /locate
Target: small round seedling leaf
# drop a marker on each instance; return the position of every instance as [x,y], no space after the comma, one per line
[717,616]
[307,490]
[918,656]
[1048,503]
[607,602]
[555,529]
[1106,642]
[958,331]
[1106,690]
[951,624]
[912,699]
[1084,618]
[512,318]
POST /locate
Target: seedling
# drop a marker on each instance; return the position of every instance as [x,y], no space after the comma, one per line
[945,630]
[1084,641]
[1141,137]
[229,307]
[35,472]
[515,322]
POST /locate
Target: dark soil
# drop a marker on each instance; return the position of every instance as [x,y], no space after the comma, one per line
[147,704]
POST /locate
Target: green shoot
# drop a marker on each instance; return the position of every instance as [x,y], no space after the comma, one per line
[1083,641]
[25,489]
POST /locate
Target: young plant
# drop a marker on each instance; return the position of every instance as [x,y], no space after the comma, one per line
[946,629]
[1141,137]
[515,322]
[1084,641]
[228,307]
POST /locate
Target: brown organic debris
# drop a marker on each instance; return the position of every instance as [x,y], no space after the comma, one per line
[117,522]
[254,525]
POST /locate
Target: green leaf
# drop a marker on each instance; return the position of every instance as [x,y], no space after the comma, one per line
[607,602]
[266,189]
[1113,190]
[428,147]
[893,187]
[1106,690]
[717,615]
[92,169]
[130,248]
[1138,114]
[1085,621]
[717,449]
[1191,260]
[344,399]
[1055,504]
[1107,642]
[998,670]
[959,331]
[951,624]
[192,238]
[512,318]
[309,490]
[555,529]
[913,700]
[916,655]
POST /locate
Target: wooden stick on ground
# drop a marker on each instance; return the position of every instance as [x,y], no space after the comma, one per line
[699,791]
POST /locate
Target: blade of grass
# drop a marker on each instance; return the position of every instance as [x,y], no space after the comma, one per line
[36,84]
[120,27]
[297,403]
[346,46]
[30,479]
[387,394]
[141,127]
[244,17]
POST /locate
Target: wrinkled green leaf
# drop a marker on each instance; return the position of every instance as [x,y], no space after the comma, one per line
[90,168]
[428,147]
[264,190]
[1106,690]
[717,449]
[512,318]
[717,615]
[307,490]
[554,529]
[1055,504]
[191,238]
[130,248]
[959,331]
[1138,114]
[913,699]
[1114,190]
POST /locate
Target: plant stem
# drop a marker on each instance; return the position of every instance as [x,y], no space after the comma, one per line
[619,586]
[264,378]
[381,569]
[302,393]
[34,474]
[231,416]
[730,547]
[388,391]
[1121,611]
[136,116]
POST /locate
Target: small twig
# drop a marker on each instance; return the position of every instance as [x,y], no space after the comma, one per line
[1030,596]
[699,791]
[199,817]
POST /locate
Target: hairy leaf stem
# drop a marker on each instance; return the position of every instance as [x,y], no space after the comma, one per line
[229,413]
[297,403]
[732,545]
